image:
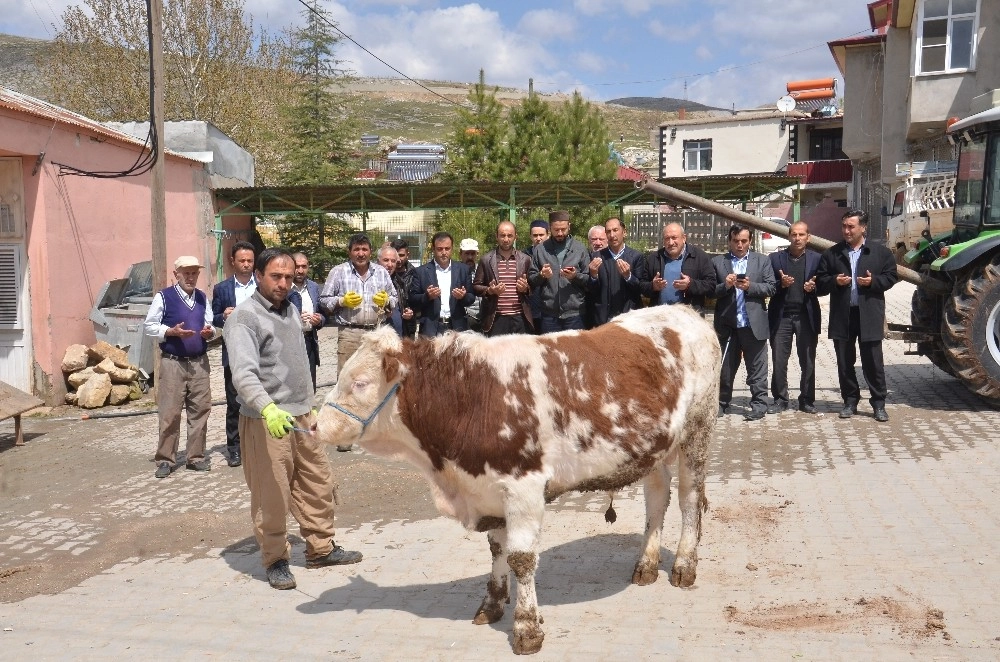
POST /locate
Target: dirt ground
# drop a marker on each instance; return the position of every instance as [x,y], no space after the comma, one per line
[59,468]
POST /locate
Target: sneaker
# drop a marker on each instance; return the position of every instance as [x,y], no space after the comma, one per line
[200,465]
[162,470]
[337,556]
[881,415]
[279,576]
[234,458]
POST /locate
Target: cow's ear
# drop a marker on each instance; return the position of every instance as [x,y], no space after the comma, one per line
[390,367]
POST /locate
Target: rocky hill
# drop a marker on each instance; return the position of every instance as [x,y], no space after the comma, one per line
[396,110]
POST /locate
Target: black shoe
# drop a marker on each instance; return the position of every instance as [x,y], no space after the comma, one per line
[344,448]
[163,470]
[723,410]
[200,465]
[808,409]
[777,407]
[234,458]
[848,411]
[279,576]
[337,556]
[881,415]
[754,415]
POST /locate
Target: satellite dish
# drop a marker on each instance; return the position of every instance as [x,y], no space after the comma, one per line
[785,103]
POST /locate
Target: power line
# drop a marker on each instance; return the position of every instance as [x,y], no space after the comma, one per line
[353,41]
[35,9]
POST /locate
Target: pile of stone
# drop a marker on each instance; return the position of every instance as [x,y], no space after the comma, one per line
[99,375]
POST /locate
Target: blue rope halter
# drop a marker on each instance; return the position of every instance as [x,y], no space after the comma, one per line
[365,421]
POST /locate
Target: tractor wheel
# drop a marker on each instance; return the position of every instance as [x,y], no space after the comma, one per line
[925,312]
[970,330]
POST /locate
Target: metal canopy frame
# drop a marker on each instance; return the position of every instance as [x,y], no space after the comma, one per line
[367,198]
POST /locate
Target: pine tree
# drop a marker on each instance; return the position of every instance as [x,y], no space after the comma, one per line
[318,129]
[581,145]
[475,151]
[528,152]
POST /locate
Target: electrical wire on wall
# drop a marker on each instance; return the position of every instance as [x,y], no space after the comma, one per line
[150,148]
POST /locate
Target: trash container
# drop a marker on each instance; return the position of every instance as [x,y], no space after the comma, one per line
[120,311]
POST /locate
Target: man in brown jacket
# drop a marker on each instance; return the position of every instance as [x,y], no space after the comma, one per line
[502,281]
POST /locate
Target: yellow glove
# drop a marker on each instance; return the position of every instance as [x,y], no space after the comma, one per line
[351,300]
[278,421]
[380,299]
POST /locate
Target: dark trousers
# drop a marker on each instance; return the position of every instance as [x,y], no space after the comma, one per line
[553,324]
[872,366]
[232,413]
[743,344]
[505,325]
[312,352]
[794,324]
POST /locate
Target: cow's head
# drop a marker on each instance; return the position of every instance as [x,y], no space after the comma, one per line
[364,390]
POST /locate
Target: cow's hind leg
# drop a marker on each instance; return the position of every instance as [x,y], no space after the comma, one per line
[656,487]
[692,500]
[524,523]
[497,592]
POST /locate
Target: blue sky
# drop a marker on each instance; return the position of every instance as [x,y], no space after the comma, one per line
[728,52]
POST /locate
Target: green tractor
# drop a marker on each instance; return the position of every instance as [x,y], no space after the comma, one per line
[957,305]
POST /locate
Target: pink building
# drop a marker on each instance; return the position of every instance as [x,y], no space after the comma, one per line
[62,235]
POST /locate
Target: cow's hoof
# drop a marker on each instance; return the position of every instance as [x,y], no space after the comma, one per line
[683,574]
[489,612]
[528,640]
[645,573]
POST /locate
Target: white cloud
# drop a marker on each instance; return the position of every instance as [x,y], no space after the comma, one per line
[592,7]
[547,24]
[590,62]
[703,53]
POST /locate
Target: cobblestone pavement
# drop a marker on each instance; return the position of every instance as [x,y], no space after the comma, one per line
[826,540]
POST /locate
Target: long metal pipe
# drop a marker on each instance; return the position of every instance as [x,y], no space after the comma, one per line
[737,216]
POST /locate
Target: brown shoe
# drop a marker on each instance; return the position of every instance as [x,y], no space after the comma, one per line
[200,465]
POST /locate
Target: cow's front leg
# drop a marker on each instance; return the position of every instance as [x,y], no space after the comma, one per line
[524,509]
[657,490]
[497,591]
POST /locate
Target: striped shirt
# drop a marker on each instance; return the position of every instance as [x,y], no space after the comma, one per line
[345,278]
[507,302]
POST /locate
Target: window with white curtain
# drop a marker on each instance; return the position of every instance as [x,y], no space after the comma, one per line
[947,36]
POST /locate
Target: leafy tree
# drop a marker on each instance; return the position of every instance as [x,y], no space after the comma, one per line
[319,131]
[215,65]
[581,142]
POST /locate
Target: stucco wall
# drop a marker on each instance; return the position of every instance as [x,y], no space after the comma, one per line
[737,147]
[863,102]
[84,231]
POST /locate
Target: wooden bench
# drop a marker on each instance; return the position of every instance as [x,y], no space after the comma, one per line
[14,402]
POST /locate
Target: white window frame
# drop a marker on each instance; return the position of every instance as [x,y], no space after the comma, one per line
[951,18]
[688,147]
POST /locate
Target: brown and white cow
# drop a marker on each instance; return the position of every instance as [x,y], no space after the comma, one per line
[500,426]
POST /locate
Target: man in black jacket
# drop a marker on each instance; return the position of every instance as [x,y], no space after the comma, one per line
[679,272]
[856,273]
[794,311]
[615,274]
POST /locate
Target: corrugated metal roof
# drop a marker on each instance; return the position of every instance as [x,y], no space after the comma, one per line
[360,198]
[29,105]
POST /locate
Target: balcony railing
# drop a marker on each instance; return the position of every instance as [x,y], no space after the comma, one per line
[821,172]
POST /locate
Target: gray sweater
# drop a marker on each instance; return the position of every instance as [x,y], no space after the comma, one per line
[267,355]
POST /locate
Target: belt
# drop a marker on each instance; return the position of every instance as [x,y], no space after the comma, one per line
[182,359]
[366,327]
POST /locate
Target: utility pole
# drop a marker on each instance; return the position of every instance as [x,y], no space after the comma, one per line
[157,192]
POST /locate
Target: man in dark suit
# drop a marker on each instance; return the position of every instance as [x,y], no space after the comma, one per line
[304,295]
[502,282]
[441,290]
[615,274]
[226,296]
[856,273]
[794,311]
[744,279]
[679,272]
